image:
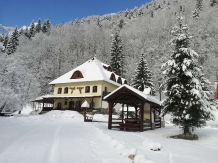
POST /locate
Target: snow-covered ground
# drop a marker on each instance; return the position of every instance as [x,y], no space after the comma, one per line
[63,137]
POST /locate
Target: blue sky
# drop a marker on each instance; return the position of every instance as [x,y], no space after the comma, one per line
[22,12]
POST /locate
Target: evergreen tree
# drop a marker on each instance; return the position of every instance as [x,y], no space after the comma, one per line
[9,48]
[14,39]
[186,88]
[5,42]
[38,26]
[48,24]
[32,29]
[116,53]
[199,5]
[213,3]
[143,78]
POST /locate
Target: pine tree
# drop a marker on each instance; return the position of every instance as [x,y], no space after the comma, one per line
[116,53]
[32,29]
[5,42]
[186,87]
[199,5]
[143,78]
[48,24]
[213,3]
[14,39]
[9,47]
[38,26]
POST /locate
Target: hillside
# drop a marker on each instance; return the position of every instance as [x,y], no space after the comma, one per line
[39,60]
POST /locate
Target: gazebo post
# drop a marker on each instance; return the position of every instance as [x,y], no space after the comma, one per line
[110,115]
[136,112]
[43,104]
[142,116]
[127,109]
[122,112]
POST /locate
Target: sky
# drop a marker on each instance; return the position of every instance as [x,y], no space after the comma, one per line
[23,12]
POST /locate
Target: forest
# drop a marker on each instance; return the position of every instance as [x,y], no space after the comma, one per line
[41,55]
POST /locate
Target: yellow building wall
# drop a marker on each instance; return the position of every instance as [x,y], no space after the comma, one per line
[98,103]
[76,91]
[147,111]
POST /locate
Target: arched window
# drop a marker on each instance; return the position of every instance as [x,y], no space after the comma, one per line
[109,68]
[59,90]
[119,80]
[66,90]
[76,75]
[87,90]
[125,82]
[95,89]
[113,77]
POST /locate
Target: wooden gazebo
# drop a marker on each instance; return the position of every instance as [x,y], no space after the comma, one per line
[147,109]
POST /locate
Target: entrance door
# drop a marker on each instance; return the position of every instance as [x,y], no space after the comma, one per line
[78,104]
[71,105]
[59,106]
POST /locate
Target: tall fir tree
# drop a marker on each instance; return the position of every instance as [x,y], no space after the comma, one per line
[14,39]
[5,42]
[9,48]
[32,29]
[213,3]
[38,26]
[186,88]
[143,78]
[116,53]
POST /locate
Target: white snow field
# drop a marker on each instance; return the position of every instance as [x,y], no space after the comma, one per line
[63,137]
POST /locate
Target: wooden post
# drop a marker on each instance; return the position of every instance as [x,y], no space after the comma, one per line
[110,115]
[127,109]
[84,114]
[142,116]
[122,112]
[136,115]
[43,104]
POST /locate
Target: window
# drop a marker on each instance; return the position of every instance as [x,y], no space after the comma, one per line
[113,77]
[66,90]
[59,90]
[125,82]
[87,89]
[95,89]
[65,102]
[109,68]
[76,75]
[119,80]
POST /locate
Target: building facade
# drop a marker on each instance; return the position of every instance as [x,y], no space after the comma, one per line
[89,82]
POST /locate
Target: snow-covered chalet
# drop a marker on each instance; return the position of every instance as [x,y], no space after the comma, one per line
[89,82]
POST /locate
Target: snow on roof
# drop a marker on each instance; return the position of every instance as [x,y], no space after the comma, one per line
[85,104]
[92,70]
[149,98]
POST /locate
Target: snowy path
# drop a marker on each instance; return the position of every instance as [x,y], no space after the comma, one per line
[205,150]
[63,137]
[68,141]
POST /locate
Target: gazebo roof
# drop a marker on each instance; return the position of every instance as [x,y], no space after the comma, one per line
[128,94]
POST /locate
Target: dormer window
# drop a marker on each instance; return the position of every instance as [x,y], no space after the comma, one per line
[119,80]
[77,75]
[113,77]
[109,68]
[59,90]
[125,82]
